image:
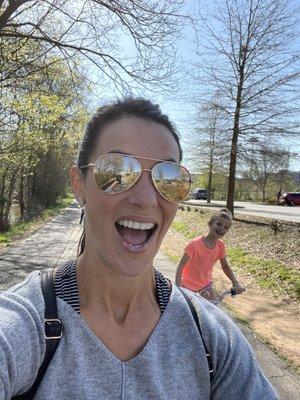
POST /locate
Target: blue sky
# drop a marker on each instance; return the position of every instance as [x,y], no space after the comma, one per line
[183,112]
[178,105]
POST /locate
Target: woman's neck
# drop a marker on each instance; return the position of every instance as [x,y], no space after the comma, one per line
[121,311]
[101,288]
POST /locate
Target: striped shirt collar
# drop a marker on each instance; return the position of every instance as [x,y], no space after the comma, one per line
[66,286]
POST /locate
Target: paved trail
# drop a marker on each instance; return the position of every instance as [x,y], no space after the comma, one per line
[49,246]
[57,242]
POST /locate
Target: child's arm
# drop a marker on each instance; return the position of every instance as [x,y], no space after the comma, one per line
[184,259]
[230,274]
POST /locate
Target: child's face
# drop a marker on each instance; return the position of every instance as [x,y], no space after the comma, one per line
[220,226]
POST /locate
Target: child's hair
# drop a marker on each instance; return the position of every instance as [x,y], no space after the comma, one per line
[224,213]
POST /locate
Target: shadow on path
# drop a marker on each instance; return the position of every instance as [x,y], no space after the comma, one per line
[47,247]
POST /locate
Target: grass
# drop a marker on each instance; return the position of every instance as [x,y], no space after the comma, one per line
[268,259]
[21,228]
[184,229]
[270,274]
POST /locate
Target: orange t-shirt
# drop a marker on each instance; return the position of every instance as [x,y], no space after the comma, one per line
[197,272]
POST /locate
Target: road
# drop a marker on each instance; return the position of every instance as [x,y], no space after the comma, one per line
[284,213]
[57,242]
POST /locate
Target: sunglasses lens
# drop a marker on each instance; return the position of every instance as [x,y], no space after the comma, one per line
[114,173]
[171,180]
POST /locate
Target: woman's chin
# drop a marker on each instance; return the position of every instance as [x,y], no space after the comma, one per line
[134,261]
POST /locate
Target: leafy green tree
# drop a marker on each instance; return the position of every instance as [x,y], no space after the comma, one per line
[37,147]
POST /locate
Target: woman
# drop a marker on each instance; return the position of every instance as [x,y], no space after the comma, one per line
[128,332]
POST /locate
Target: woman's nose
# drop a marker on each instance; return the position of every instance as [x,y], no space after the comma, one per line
[143,192]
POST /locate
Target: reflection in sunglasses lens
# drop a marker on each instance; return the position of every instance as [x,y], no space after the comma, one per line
[116,173]
[171,180]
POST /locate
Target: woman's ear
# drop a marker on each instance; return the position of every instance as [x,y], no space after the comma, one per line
[77,184]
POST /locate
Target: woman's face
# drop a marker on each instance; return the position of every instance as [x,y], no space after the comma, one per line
[121,249]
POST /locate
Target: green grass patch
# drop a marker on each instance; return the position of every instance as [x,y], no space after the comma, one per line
[53,210]
[22,227]
[270,274]
[184,229]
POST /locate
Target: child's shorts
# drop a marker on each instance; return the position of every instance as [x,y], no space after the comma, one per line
[207,287]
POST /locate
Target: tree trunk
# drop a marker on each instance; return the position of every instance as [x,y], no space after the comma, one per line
[21,194]
[3,227]
[9,197]
[209,180]
[232,168]
[235,133]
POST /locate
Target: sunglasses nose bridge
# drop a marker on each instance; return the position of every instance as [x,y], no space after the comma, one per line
[149,170]
[146,169]
[143,192]
[151,178]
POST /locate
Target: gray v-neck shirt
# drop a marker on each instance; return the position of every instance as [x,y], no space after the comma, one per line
[172,365]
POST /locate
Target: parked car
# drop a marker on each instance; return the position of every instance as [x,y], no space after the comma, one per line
[290,199]
[199,194]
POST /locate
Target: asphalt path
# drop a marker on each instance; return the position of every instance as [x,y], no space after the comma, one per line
[284,213]
[47,247]
[57,241]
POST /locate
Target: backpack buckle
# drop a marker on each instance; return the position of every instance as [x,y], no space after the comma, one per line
[53,328]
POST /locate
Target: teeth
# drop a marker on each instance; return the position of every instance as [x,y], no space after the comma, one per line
[136,225]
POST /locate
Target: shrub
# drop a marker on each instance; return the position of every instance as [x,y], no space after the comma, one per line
[276,226]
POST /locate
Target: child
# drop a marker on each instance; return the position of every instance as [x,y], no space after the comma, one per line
[194,270]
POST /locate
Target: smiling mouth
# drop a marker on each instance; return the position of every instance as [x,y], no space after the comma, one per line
[136,234]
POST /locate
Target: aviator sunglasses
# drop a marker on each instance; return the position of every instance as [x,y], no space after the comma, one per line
[114,173]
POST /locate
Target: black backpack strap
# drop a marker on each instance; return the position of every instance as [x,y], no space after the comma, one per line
[53,332]
[196,319]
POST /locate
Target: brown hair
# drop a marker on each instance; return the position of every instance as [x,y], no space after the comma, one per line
[224,213]
[130,106]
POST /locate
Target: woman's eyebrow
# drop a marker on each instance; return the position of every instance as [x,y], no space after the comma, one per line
[145,158]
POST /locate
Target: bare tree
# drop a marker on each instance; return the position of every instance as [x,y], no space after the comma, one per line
[250,60]
[95,30]
[263,162]
[210,148]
